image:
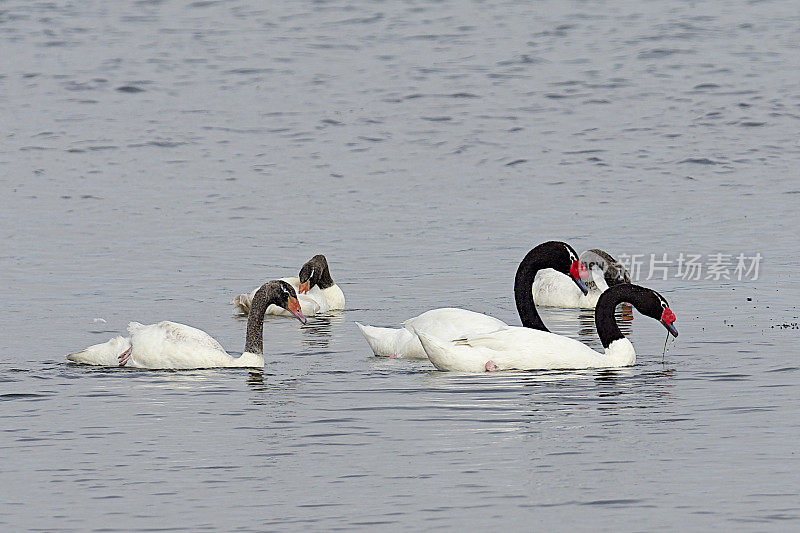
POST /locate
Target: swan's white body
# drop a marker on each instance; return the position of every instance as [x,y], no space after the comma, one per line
[445,323]
[316,301]
[165,345]
[518,348]
[554,289]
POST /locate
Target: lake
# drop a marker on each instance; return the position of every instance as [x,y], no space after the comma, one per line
[159,158]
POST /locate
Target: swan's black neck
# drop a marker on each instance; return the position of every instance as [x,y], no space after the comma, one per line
[325,280]
[254,343]
[608,330]
[316,272]
[534,261]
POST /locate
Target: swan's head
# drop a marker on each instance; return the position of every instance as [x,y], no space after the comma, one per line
[314,272]
[567,259]
[557,255]
[655,306]
[282,294]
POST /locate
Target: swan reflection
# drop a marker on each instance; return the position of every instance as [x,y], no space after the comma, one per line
[318,331]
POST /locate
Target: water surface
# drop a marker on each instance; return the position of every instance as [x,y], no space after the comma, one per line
[160,157]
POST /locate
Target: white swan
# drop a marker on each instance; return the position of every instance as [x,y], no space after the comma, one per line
[554,289]
[449,323]
[317,293]
[515,348]
[169,345]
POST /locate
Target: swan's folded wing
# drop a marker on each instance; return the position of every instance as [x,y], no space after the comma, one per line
[242,302]
[530,349]
[482,339]
[451,323]
[187,335]
[519,339]
[316,295]
[554,289]
[502,339]
[309,305]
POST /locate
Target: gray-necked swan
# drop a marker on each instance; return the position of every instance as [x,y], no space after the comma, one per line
[169,345]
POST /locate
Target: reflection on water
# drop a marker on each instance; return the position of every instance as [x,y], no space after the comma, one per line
[580,324]
[255,380]
[588,331]
[318,331]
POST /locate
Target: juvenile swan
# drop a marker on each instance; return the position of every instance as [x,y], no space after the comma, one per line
[315,287]
[169,345]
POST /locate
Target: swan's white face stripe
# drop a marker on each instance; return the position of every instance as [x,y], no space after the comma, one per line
[286,291]
[572,256]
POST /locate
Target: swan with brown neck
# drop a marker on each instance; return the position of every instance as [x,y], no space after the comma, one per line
[170,345]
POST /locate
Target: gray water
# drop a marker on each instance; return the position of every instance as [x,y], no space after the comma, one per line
[158,158]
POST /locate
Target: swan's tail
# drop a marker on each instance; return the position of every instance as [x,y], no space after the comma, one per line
[436,350]
[105,354]
[457,356]
[392,342]
[242,303]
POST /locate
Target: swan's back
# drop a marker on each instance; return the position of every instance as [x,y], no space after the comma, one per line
[552,288]
[173,332]
[171,345]
[510,348]
[334,297]
[450,323]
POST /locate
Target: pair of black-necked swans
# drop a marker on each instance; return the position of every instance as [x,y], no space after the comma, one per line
[465,341]
[170,345]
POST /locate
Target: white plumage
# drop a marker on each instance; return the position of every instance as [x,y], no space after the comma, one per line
[445,323]
[517,348]
[165,345]
[520,348]
[554,289]
[314,302]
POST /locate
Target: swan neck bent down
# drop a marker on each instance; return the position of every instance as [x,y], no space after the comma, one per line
[604,318]
[523,281]
[254,343]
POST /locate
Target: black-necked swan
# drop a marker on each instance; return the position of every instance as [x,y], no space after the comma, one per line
[554,289]
[316,291]
[515,348]
[169,345]
[451,323]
